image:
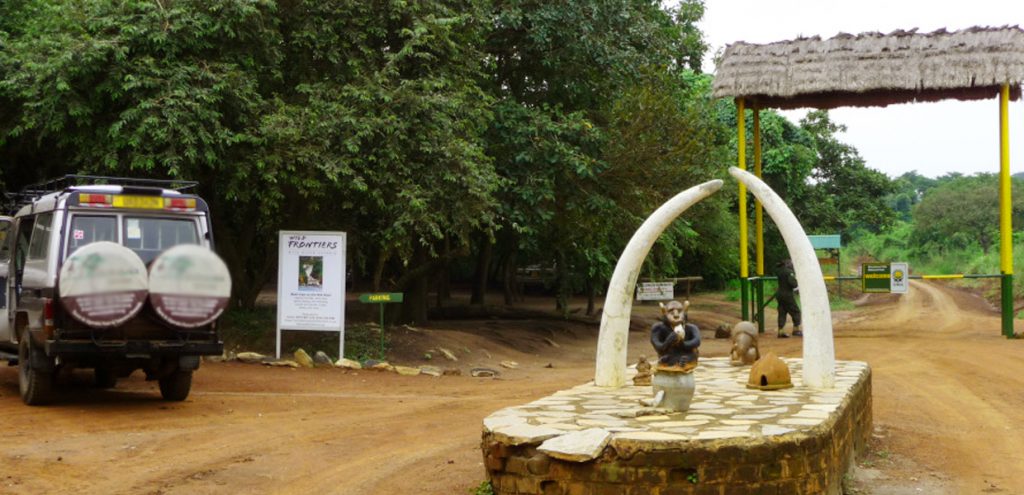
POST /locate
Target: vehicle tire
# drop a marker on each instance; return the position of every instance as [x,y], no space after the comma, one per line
[35,385]
[176,386]
[105,378]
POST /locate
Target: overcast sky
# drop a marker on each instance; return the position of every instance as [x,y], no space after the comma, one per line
[932,138]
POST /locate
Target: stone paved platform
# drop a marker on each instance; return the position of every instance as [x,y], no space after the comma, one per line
[733,440]
[722,408]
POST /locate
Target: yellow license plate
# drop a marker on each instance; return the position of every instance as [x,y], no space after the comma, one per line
[144,202]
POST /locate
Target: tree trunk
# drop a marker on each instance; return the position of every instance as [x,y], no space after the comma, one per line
[444,275]
[483,262]
[562,285]
[249,259]
[414,307]
[378,269]
[590,296]
[510,281]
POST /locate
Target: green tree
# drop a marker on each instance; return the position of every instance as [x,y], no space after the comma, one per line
[556,70]
[961,212]
[300,114]
[910,188]
[845,192]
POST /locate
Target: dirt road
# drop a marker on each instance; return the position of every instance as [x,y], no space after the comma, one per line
[946,392]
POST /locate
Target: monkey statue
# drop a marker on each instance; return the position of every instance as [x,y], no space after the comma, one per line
[675,340]
[744,344]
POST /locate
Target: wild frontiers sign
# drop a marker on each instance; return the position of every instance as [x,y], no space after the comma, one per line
[311,283]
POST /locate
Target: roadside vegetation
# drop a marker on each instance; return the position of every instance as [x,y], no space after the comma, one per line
[457,142]
[945,226]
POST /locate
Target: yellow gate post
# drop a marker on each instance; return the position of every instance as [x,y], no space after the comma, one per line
[758,227]
[1005,212]
[741,152]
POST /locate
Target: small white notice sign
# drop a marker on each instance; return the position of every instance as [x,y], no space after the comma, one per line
[311,283]
[655,291]
[899,277]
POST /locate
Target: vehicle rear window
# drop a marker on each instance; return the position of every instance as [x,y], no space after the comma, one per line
[37,247]
[149,236]
[89,229]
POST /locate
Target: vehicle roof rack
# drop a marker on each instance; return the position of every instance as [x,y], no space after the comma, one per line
[34,191]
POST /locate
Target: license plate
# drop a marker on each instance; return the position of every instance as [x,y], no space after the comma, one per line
[143,202]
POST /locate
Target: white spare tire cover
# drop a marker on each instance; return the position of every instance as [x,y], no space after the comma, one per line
[189,285]
[103,284]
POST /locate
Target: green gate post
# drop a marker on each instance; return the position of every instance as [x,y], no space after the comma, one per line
[744,299]
[760,305]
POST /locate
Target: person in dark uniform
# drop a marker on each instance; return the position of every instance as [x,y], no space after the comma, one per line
[675,340]
[786,298]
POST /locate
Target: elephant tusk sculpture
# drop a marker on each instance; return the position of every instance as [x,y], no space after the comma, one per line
[618,303]
[818,350]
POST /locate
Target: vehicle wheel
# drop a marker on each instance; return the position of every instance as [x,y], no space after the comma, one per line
[35,385]
[105,378]
[176,385]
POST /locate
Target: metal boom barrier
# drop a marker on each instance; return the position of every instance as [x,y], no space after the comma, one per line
[757,302]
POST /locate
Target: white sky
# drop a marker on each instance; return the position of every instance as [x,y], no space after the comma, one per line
[932,138]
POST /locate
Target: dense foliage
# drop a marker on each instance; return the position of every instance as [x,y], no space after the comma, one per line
[454,140]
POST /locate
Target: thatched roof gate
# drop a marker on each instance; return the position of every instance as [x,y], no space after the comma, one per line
[874,69]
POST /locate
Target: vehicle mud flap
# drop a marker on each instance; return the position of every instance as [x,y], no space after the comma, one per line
[188,363]
[41,361]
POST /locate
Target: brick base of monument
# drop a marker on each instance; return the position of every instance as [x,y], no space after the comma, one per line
[740,442]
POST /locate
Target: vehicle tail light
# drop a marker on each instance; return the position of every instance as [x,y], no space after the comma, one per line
[101,200]
[48,311]
[180,204]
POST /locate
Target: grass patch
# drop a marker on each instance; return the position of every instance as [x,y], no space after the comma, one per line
[484,488]
[732,290]
[839,303]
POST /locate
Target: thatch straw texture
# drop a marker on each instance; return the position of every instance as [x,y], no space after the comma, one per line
[874,69]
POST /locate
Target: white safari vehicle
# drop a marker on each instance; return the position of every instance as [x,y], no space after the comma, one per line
[113,275]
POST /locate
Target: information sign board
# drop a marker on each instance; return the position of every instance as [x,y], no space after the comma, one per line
[311,283]
[899,277]
[876,277]
[655,291]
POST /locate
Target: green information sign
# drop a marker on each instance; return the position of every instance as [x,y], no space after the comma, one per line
[381,297]
[876,277]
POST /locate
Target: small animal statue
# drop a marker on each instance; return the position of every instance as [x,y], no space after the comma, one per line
[744,344]
[675,340]
[643,372]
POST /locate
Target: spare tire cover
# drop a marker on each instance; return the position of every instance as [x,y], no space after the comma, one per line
[189,285]
[103,284]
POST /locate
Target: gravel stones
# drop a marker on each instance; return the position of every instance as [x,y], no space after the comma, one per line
[322,359]
[348,364]
[483,373]
[303,359]
[250,357]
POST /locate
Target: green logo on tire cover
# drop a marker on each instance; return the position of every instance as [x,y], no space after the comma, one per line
[91,263]
[180,265]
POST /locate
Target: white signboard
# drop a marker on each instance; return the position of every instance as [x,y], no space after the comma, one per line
[899,277]
[311,283]
[655,291]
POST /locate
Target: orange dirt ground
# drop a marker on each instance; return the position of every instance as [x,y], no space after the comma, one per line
[947,390]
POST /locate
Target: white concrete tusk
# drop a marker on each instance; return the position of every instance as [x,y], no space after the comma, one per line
[618,303]
[819,349]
